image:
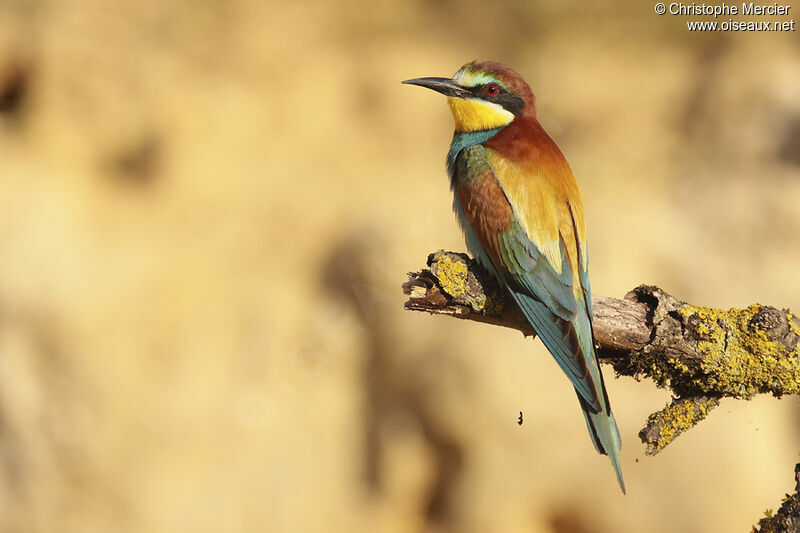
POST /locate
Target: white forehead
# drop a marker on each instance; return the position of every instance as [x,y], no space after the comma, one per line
[467,78]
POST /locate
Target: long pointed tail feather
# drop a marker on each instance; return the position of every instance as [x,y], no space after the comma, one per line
[605,436]
[571,343]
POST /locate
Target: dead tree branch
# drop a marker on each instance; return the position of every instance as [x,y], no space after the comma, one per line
[700,353]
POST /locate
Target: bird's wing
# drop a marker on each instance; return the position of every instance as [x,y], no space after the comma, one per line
[534,251]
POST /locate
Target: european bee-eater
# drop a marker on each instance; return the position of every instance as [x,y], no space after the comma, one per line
[522,214]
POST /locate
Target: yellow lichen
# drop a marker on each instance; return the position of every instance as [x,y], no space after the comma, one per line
[674,419]
[740,362]
[453,276]
[735,361]
[735,358]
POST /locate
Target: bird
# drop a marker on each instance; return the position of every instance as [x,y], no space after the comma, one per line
[519,206]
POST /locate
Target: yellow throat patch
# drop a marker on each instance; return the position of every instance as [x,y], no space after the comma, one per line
[473,114]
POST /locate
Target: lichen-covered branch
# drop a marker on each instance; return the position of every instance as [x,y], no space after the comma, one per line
[700,353]
[787,519]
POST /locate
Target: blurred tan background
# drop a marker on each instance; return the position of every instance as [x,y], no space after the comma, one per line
[206,212]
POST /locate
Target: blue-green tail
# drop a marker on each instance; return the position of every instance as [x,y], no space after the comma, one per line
[605,435]
[572,345]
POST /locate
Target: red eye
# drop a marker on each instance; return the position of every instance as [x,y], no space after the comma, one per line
[491,89]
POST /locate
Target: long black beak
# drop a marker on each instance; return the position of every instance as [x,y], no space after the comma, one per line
[445,86]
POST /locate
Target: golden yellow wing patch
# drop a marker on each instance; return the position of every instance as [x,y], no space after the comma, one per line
[544,198]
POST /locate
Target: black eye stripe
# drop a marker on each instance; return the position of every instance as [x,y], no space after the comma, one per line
[510,101]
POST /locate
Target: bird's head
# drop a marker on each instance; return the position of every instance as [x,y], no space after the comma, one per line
[483,95]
